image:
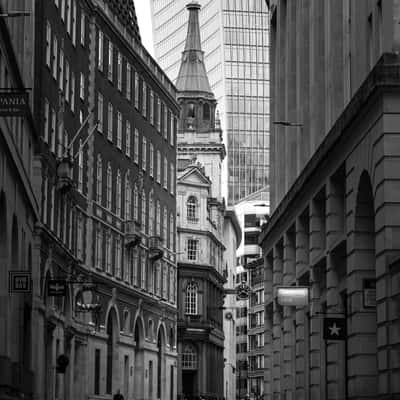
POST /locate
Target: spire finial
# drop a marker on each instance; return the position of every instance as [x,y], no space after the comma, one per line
[192,75]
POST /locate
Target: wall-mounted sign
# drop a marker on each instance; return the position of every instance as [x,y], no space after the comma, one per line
[292,295]
[14,103]
[335,329]
[242,291]
[19,282]
[56,287]
[369,293]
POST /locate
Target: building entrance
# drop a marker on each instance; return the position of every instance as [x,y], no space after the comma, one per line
[188,383]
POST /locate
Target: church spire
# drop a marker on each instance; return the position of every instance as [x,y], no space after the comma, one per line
[192,75]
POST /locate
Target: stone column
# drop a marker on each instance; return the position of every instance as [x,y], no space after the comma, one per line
[302,350]
[268,337]
[289,359]
[277,325]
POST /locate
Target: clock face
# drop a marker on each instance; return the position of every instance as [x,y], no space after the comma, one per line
[228,315]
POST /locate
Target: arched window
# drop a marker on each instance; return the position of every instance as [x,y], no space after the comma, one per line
[191,299]
[119,197]
[189,357]
[128,197]
[144,211]
[99,179]
[192,209]
[191,110]
[109,186]
[206,111]
[135,203]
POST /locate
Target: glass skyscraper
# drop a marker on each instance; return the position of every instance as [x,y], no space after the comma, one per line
[235,37]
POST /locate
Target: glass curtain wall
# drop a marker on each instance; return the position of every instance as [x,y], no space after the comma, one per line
[235,43]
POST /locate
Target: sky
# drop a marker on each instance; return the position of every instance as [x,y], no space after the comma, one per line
[143,15]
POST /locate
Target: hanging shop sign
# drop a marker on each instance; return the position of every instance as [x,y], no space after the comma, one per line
[242,291]
[14,103]
[56,287]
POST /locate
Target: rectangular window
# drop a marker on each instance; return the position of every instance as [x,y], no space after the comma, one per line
[136,90]
[119,130]
[143,271]
[79,237]
[48,43]
[46,120]
[108,252]
[52,138]
[165,173]
[118,257]
[73,22]
[110,122]
[192,249]
[100,108]
[68,16]
[128,81]
[55,52]
[151,160]
[119,71]
[72,92]
[128,138]
[151,107]
[165,125]
[100,51]
[63,9]
[61,70]
[110,61]
[158,166]
[136,144]
[83,28]
[144,151]
[158,124]
[99,248]
[135,277]
[144,99]
[172,182]
[67,88]
[82,87]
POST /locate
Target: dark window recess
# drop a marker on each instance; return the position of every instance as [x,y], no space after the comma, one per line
[250,221]
[251,238]
[97,371]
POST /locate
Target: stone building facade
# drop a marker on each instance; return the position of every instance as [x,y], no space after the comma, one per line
[201,213]
[104,222]
[19,214]
[335,203]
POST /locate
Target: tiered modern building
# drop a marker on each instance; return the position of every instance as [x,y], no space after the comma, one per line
[97,227]
[204,228]
[235,39]
[250,312]
[335,200]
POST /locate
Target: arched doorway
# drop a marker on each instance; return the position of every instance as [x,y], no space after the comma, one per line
[112,351]
[138,389]
[160,363]
[362,272]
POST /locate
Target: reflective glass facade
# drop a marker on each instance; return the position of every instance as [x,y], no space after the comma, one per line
[235,43]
